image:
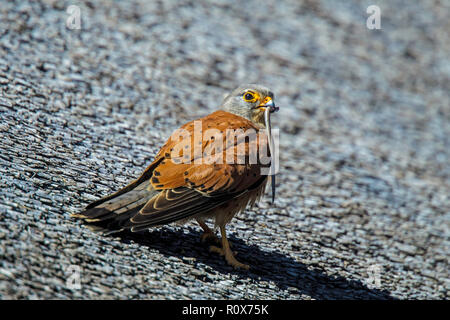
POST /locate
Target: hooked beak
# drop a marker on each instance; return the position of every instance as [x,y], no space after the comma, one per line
[268,103]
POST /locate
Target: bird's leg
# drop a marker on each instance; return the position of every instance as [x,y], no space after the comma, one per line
[208,234]
[226,251]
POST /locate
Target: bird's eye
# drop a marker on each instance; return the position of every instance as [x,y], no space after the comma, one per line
[250,96]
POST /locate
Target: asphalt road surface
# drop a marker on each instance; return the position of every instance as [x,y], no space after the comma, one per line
[362,209]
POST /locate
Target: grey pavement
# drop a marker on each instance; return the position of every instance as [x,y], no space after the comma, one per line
[363,202]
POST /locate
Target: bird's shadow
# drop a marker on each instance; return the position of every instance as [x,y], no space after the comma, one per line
[281,269]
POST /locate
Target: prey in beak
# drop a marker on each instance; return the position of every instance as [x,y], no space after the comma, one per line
[269,107]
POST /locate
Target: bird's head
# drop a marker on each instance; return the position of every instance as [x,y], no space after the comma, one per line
[251,102]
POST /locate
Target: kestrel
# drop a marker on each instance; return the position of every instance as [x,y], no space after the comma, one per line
[206,169]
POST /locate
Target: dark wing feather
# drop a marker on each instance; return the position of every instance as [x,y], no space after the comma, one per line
[167,207]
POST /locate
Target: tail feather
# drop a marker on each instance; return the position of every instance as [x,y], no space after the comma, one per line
[113,213]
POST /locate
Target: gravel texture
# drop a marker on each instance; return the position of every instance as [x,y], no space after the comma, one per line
[363,208]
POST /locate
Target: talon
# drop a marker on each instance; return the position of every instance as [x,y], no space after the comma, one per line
[226,251]
[238,265]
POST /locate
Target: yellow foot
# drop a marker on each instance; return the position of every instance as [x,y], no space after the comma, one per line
[229,257]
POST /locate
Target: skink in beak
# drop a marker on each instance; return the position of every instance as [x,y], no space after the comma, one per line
[269,106]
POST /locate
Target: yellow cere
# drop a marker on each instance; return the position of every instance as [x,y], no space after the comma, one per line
[265,101]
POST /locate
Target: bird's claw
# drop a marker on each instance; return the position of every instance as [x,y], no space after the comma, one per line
[229,257]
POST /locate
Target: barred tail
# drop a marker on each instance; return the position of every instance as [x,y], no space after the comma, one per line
[113,213]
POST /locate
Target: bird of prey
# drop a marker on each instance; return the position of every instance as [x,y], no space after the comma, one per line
[206,169]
